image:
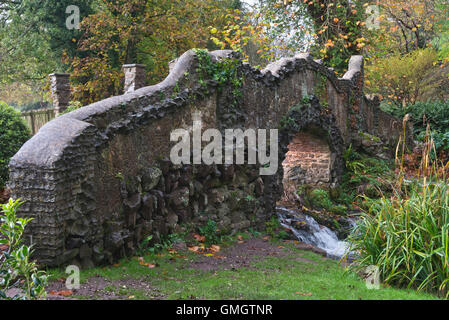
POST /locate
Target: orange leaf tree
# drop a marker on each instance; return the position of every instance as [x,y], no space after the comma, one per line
[136,31]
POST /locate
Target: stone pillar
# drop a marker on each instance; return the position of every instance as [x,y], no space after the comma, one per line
[60,91]
[134,77]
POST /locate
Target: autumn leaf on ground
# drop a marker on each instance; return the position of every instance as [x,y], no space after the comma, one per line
[281,247]
[63,293]
[146,264]
[199,238]
[215,248]
[266,238]
[195,249]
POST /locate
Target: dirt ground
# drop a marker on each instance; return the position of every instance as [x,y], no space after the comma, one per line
[242,254]
[4,196]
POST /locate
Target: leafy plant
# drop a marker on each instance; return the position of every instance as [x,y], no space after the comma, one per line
[210,232]
[224,72]
[408,238]
[407,235]
[404,79]
[17,270]
[433,113]
[13,134]
[73,105]
[273,229]
[320,199]
[144,246]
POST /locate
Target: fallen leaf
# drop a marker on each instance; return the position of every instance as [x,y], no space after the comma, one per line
[266,238]
[199,238]
[194,249]
[281,247]
[240,237]
[215,248]
[64,293]
[146,264]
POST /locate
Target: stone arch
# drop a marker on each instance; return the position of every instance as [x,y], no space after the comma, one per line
[98,180]
[302,118]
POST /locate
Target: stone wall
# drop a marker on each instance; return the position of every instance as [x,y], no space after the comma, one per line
[311,155]
[308,161]
[98,180]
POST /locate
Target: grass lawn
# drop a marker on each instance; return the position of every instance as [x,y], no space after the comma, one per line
[251,269]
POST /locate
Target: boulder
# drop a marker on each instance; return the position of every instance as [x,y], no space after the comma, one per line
[150,178]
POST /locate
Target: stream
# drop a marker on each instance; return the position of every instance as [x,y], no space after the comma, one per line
[307,230]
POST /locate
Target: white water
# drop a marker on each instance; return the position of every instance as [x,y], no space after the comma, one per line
[316,235]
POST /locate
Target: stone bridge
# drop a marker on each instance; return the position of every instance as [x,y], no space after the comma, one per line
[98,180]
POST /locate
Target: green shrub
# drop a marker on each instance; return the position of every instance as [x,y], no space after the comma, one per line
[374,174]
[210,232]
[434,113]
[272,227]
[407,237]
[404,79]
[73,105]
[320,198]
[13,134]
[17,270]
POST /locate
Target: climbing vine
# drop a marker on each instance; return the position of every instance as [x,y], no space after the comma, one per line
[224,72]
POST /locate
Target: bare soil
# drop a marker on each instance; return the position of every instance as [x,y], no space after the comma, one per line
[4,196]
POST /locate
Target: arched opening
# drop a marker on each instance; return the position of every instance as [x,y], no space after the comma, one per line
[308,161]
[311,151]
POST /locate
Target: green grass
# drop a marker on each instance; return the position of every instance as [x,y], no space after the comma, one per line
[279,278]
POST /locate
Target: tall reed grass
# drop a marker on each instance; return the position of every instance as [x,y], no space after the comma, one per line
[406,235]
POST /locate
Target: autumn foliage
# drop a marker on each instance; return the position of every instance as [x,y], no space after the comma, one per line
[135,31]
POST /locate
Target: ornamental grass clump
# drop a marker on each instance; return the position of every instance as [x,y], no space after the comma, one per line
[407,235]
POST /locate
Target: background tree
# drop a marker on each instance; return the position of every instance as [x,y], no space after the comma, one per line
[138,31]
[33,36]
[332,30]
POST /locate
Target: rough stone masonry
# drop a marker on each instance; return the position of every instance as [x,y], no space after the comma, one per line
[97,181]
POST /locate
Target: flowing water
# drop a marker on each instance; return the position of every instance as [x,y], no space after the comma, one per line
[307,230]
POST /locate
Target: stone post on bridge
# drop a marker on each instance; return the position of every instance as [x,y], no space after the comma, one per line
[135,77]
[60,91]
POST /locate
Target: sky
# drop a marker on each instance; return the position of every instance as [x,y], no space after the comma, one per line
[250,2]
